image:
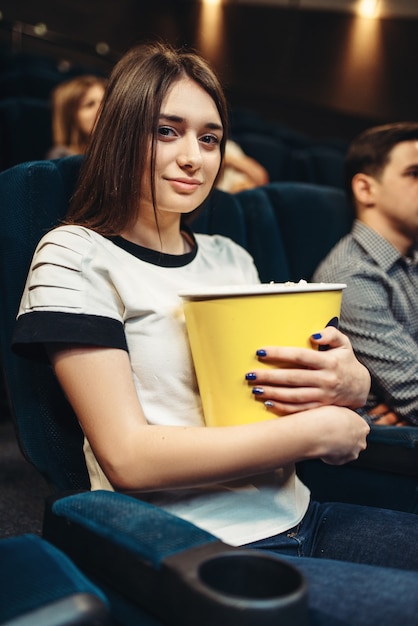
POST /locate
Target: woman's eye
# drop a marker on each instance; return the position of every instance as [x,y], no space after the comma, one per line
[166,131]
[210,139]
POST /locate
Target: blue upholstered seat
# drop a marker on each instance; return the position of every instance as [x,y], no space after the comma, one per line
[40,586]
[271,152]
[33,199]
[322,165]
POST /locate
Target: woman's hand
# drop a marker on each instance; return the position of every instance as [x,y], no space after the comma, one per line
[305,379]
[340,434]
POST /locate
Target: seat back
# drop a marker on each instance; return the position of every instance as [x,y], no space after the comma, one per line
[25,130]
[270,152]
[247,218]
[39,584]
[311,219]
[288,227]
[34,197]
[322,165]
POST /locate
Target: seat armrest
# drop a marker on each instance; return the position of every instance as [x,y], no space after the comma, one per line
[405,436]
[174,570]
[391,449]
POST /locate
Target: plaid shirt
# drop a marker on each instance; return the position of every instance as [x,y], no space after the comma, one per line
[380,314]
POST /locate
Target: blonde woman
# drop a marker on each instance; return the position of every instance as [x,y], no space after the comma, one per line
[75,104]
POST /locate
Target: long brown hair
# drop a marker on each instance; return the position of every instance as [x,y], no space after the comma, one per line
[106,198]
[65,100]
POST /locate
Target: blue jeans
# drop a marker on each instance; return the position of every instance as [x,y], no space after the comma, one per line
[364,570]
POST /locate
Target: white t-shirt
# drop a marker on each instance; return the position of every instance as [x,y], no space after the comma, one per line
[89,289]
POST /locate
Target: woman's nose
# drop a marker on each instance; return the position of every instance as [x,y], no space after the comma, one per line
[190,154]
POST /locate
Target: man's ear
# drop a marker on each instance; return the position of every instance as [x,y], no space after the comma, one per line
[363,187]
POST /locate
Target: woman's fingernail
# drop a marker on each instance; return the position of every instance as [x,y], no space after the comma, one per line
[250,376]
[317,335]
[258,390]
[261,353]
[269,404]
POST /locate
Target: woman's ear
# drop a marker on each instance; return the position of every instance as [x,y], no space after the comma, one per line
[363,187]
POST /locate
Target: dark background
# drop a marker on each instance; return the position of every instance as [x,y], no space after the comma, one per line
[326,73]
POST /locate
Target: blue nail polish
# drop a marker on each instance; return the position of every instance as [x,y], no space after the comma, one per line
[250,376]
[261,353]
[317,336]
[258,390]
[269,404]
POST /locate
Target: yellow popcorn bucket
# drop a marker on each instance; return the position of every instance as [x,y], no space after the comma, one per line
[227,325]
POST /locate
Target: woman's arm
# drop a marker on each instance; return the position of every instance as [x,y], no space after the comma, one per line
[136,456]
[250,167]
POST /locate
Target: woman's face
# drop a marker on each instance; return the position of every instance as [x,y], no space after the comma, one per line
[88,107]
[188,156]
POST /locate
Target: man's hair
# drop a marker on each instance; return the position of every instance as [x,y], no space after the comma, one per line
[123,142]
[370,151]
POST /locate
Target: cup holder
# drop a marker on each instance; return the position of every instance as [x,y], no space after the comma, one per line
[262,587]
[251,576]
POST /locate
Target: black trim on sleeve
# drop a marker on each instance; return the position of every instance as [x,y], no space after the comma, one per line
[34,330]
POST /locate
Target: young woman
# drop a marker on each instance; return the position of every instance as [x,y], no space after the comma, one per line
[101,301]
[75,104]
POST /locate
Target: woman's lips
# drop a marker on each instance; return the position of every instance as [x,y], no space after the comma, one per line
[185,185]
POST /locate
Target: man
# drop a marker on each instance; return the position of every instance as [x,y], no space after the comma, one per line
[378,261]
